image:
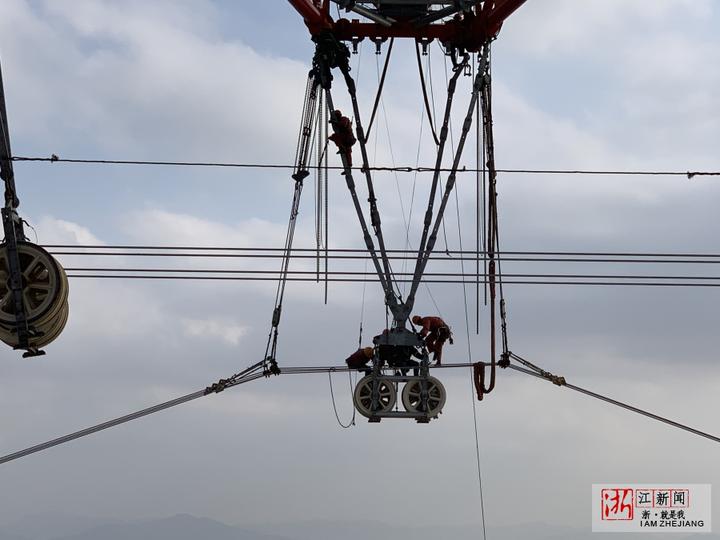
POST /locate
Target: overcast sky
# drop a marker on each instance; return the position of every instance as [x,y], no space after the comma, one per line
[608,84]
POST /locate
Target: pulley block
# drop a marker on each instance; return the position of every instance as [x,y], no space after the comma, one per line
[417,406]
[45,292]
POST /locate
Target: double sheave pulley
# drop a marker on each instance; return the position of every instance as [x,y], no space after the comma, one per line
[44,293]
[423,397]
[376,395]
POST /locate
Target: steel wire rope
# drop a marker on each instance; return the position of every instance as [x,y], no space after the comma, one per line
[365,273]
[392,158]
[404,169]
[425,94]
[432,89]
[315,370]
[620,404]
[318,182]
[327,204]
[365,263]
[357,256]
[123,419]
[452,149]
[361,280]
[408,245]
[495,230]
[303,154]
[686,255]
[412,191]
[469,352]
[405,217]
[480,208]
[381,85]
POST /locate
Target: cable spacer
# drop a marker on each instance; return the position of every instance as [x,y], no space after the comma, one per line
[272,369]
[217,387]
[504,361]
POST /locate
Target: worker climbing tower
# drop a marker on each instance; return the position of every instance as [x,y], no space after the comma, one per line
[462,27]
[33,285]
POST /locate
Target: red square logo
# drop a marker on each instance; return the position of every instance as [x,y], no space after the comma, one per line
[617,504]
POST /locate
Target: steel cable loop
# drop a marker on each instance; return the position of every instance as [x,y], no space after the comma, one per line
[351,423]
[493,276]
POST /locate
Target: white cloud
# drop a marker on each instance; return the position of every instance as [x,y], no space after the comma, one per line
[570,28]
[60,231]
[168,228]
[230,333]
[153,78]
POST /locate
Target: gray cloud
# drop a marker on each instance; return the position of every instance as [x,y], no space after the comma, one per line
[160,81]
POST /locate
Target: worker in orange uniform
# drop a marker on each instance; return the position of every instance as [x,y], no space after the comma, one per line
[436,332]
[343,136]
[359,359]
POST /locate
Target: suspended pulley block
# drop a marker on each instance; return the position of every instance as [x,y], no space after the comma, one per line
[44,290]
[375,395]
[423,397]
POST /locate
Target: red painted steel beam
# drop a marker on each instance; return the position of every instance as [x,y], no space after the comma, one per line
[468,32]
[317,17]
[500,10]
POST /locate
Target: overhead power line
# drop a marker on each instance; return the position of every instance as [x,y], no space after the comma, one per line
[469,281]
[360,250]
[316,370]
[135,272]
[366,274]
[400,169]
[361,254]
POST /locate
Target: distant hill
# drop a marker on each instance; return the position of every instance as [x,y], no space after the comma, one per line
[179,527]
[187,527]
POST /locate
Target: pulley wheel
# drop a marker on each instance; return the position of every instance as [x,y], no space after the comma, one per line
[53,331]
[412,400]
[44,289]
[45,296]
[363,396]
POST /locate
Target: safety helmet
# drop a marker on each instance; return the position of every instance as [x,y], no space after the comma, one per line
[417,319]
[369,351]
